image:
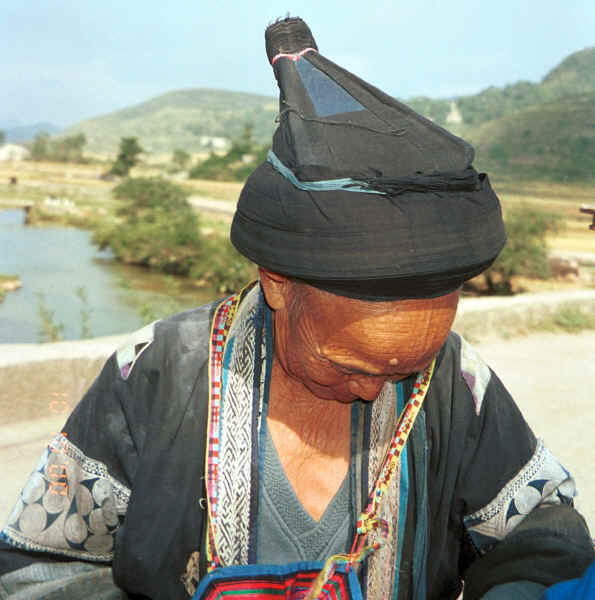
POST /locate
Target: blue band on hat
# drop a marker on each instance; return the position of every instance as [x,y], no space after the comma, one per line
[346,184]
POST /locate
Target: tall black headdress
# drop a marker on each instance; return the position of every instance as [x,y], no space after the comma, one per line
[360,195]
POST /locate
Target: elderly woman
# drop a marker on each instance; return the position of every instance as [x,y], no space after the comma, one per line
[321,433]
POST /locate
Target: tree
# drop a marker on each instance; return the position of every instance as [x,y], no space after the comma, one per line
[157,227]
[68,149]
[246,137]
[2,137]
[127,157]
[238,162]
[526,251]
[40,146]
[180,159]
[140,197]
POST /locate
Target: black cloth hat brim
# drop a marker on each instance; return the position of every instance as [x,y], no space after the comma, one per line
[369,246]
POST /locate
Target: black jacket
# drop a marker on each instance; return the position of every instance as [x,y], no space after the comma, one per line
[144,434]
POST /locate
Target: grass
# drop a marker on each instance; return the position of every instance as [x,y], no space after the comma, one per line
[219,190]
[92,196]
[570,319]
[11,196]
[78,184]
[567,317]
[563,200]
[49,329]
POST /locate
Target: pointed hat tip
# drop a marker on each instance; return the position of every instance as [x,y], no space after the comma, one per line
[289,35]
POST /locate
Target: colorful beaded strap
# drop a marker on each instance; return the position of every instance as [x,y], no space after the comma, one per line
[222,321]
[368,521]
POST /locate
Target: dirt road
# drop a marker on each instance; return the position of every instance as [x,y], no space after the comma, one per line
[552,377]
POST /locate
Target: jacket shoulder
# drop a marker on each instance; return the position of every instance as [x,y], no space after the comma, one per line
[167,340]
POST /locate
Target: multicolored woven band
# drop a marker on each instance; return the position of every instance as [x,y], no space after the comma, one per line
[220,328]
[368,521]
[269,582]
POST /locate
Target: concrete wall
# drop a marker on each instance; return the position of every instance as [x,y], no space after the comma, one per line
[43,380]
[549,375]
[35,375]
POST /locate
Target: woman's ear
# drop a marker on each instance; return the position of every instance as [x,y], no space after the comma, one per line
[276,288]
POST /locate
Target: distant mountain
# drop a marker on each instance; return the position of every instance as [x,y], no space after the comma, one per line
[24,133]
[9,124]
[553,140]
[573,76]
[192,120]
[540,129]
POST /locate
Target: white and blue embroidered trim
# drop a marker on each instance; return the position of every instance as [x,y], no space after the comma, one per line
[543,480]
[70,505]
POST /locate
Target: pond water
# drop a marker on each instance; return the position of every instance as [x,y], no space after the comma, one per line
[59,267]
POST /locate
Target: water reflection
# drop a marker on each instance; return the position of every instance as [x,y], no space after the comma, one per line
[54,262]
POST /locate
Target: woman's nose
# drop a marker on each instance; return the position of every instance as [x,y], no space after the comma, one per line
[366,388]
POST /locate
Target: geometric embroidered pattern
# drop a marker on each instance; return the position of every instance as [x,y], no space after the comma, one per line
[381,564]
[543,480]
[70,505]
[370,522]
[367,520]
[229,438]
[236,406]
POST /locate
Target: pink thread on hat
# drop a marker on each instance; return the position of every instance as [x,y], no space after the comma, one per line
[293,57]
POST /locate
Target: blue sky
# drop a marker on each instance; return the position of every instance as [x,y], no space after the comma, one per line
[66,60]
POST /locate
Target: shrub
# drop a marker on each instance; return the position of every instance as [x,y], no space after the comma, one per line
[572,319]
[180,159]
[525,252]
[40,146]
[157,228]
[240,160]
[67,149]
[223,266]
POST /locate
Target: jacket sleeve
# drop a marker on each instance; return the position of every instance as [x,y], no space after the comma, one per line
[115,497]
[59,539]
[504,501]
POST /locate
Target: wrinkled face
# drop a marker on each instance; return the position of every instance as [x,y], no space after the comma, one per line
[343,349]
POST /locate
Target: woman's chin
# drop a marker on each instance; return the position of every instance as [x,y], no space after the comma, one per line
[324,393]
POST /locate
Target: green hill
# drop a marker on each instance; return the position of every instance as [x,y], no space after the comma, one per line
[574,75]
[553,140]
[535,129]
[193,120]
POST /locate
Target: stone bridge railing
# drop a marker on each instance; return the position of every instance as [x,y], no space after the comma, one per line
[36,378]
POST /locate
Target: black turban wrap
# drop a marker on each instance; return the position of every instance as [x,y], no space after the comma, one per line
[360,195]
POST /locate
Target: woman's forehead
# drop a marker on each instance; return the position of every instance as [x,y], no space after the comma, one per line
[364,334]
[331,307]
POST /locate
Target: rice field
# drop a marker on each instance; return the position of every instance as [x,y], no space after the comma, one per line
[82,185]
